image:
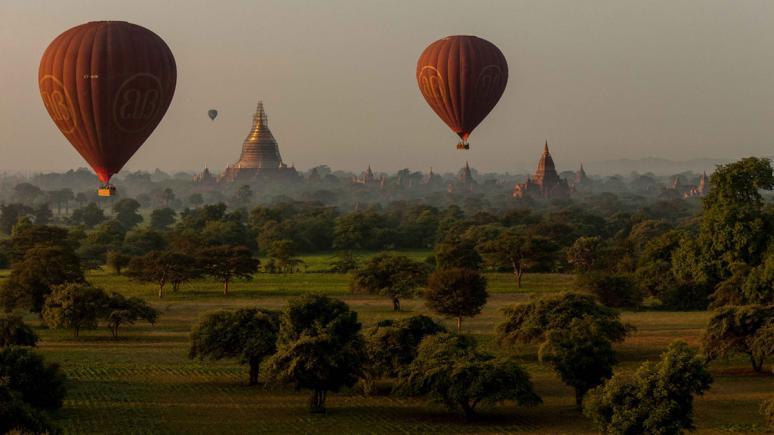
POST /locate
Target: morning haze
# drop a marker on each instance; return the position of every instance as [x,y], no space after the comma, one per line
[600,80]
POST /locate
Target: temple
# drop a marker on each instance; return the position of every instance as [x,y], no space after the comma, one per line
[545,183]
[260,156]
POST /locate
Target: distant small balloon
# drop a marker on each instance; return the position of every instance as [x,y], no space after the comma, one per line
[212,113]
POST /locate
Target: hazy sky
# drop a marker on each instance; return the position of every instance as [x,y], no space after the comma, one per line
[598,79]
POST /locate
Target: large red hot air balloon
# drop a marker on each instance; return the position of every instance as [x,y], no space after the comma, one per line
[106,85]
[462,78]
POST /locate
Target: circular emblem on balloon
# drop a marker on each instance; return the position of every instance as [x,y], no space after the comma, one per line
[58,103]
[137,102]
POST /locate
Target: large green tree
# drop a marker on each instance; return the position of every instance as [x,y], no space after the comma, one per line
[456,293]
[735,226]
[31,278]
[656,399]
[392,345]
[319,347]
[392,275]
[14,332]
[75,307]
[164,267]
[581,355]
[248,334]
[120,310]
[530,322]
[228,263]
[450,370]
[743,329]
[126,212]
[517,252]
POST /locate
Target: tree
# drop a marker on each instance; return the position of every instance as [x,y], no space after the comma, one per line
[117,261]
[584,253]
[26,193]
[167,196]
[735,226]
[14,332]
[283,253]
[126,212]
[456,293]
[582,355]
[10,215]
[319,347]
[243,195]
[392,345]
[758,287]
[74,306]
[457,253]
[25,237]
[392,275]
[450,370]
[196,199]
[141,241]
[121,310]
[162,218]
[516,251]
[89,216]
[735,330]
[164,267]
[25,373]
[31,278]
[249,334]
[228,263]
[615,290]
[17,416]
[529,322]
[344,262]
[657,398]
[42,214]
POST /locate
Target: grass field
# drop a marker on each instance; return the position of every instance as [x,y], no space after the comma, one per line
[144,382]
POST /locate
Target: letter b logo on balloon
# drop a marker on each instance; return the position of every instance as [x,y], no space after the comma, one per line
[58,103]
[137,102]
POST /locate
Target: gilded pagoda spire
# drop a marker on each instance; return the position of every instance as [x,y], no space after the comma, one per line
[260,149]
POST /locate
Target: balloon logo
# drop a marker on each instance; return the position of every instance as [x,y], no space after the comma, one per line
[106,86]
[462,78]
[212,113]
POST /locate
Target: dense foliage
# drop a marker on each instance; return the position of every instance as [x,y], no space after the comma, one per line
[657,398]
[451,371]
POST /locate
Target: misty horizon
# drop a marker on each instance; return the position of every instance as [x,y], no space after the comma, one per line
[601,82]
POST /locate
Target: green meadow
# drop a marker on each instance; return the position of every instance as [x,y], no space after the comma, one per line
[144,381]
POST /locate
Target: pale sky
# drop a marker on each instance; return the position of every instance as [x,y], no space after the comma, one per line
[599,79]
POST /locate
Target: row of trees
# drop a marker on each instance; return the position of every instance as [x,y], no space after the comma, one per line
[316,343]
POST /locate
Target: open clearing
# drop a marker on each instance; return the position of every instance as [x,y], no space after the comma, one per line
[145,383]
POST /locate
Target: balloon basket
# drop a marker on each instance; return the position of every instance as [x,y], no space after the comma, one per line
[463,146]
[107,190]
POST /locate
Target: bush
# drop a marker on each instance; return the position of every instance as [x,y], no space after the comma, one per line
[686,296]
[613,290]
[392,344]
[14,332]
[25,373]
[767,411]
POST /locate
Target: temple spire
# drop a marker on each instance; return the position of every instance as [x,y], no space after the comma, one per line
[545,149]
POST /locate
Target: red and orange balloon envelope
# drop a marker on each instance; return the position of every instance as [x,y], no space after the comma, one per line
[107,85]
[462,78]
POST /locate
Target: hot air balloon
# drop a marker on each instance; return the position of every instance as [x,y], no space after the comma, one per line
[212,113]
[106,85]
[462,78]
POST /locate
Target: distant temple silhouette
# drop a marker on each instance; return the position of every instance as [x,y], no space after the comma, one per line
[260,158]
[546,182]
